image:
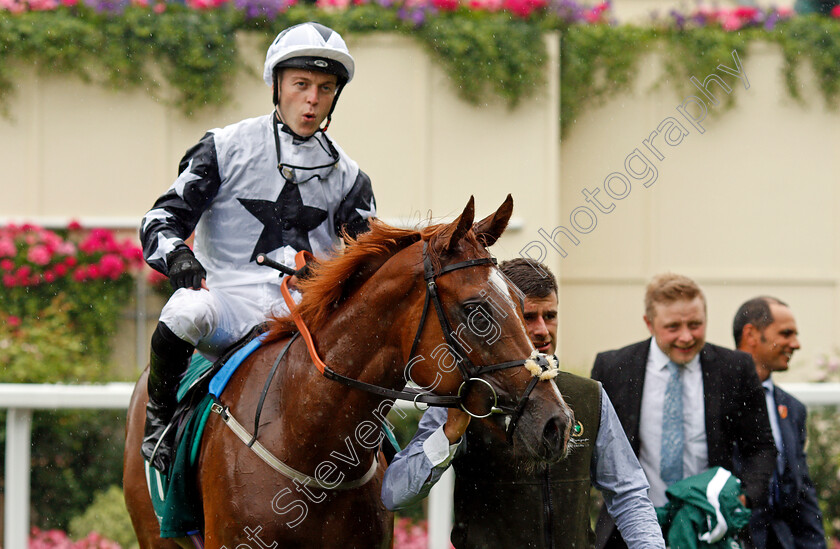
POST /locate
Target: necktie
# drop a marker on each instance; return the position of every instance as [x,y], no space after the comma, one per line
[671,464]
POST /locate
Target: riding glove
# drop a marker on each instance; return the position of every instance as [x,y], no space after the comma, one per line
[184,269]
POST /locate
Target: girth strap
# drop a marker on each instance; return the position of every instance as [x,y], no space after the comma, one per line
[279,466]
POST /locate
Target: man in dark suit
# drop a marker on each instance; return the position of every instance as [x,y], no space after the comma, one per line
[685,404]
[765,328]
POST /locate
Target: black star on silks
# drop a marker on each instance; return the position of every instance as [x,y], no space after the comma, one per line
[287,221]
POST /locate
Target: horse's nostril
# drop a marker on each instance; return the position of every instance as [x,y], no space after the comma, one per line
[553,436]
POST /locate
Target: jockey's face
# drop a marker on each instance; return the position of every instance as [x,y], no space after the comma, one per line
[305,99]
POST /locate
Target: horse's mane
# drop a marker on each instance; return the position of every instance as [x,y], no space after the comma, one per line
[331,281]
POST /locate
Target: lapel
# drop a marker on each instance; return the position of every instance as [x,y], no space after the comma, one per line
[635,381]
[786,426]
[711,393]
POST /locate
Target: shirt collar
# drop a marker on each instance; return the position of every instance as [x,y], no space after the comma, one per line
[768,384]
[661,360]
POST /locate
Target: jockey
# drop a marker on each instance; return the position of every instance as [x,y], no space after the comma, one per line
[272,185]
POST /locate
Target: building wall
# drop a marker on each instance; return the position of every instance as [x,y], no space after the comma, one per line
[746,208]
[74,150]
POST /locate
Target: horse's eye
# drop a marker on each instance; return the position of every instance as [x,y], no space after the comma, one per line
[478,316]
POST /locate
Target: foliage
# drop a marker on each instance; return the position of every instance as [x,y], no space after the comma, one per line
[597,62]
[108,516]
[61,296]
[824,464]
[45,347]
[819,39]
[477,54]
[486,46]
[74,454]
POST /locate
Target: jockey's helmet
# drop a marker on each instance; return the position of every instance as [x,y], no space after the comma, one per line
[310,46]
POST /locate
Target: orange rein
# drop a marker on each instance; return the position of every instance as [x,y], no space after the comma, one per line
[300,262]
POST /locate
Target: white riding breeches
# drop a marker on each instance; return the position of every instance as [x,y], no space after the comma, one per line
[212,320]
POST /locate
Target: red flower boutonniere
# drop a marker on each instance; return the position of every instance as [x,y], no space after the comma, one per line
[782,411]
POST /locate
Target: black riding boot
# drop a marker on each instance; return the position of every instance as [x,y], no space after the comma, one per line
[170,357]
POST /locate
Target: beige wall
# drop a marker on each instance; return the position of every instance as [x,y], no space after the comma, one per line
[746,208]
[77,151]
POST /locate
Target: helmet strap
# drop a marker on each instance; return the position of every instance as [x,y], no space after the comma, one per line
[275,92]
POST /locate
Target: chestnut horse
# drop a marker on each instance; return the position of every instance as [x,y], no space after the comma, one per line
[393,298]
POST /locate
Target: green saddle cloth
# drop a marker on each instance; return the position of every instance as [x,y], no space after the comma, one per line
[173,495]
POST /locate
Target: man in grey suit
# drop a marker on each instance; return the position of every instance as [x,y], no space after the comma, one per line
[791,519]
[685,405]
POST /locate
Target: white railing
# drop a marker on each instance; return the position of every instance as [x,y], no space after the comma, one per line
[22,399]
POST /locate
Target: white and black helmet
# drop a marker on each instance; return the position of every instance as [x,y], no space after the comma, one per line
[310,46]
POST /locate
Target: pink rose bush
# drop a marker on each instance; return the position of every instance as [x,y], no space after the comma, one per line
[57,539]
[34,256]
[61,297]
[410,534]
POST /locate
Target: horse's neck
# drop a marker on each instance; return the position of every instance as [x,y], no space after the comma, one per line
[325,418]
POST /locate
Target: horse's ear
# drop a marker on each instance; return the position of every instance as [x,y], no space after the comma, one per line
[458,228]
[489,229]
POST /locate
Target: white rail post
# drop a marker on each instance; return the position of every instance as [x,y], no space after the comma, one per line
[440,511]
[16,514]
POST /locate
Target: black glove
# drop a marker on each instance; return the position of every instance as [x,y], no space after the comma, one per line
[184,269]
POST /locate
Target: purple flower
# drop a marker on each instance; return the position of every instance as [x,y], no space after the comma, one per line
[679,19]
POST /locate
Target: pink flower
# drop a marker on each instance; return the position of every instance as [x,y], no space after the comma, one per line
[111,266]
[523,8]
[74,225]
[159,8]
[39,255]
[50,277]
[9,281]
[446,5]
[745,12]
[7,247]
[80,274]
[340,4]
[13,321]
[835,11]
[731,22]
[60,270]
[7,264]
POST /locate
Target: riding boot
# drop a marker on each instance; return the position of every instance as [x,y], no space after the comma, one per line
[169,360]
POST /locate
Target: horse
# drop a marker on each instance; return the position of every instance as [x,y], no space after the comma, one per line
[368,314]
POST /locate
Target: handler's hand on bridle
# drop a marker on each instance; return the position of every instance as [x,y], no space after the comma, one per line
[185,271]
[456,425]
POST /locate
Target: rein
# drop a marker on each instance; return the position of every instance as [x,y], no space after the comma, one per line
[540,366]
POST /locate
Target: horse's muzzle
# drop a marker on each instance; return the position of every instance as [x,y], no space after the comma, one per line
[555,437]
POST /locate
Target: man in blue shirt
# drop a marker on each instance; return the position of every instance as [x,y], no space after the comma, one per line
[503,501]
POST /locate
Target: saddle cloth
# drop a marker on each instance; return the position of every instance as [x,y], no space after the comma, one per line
[173,495]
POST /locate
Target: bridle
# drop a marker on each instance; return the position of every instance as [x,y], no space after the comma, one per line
[540,366]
